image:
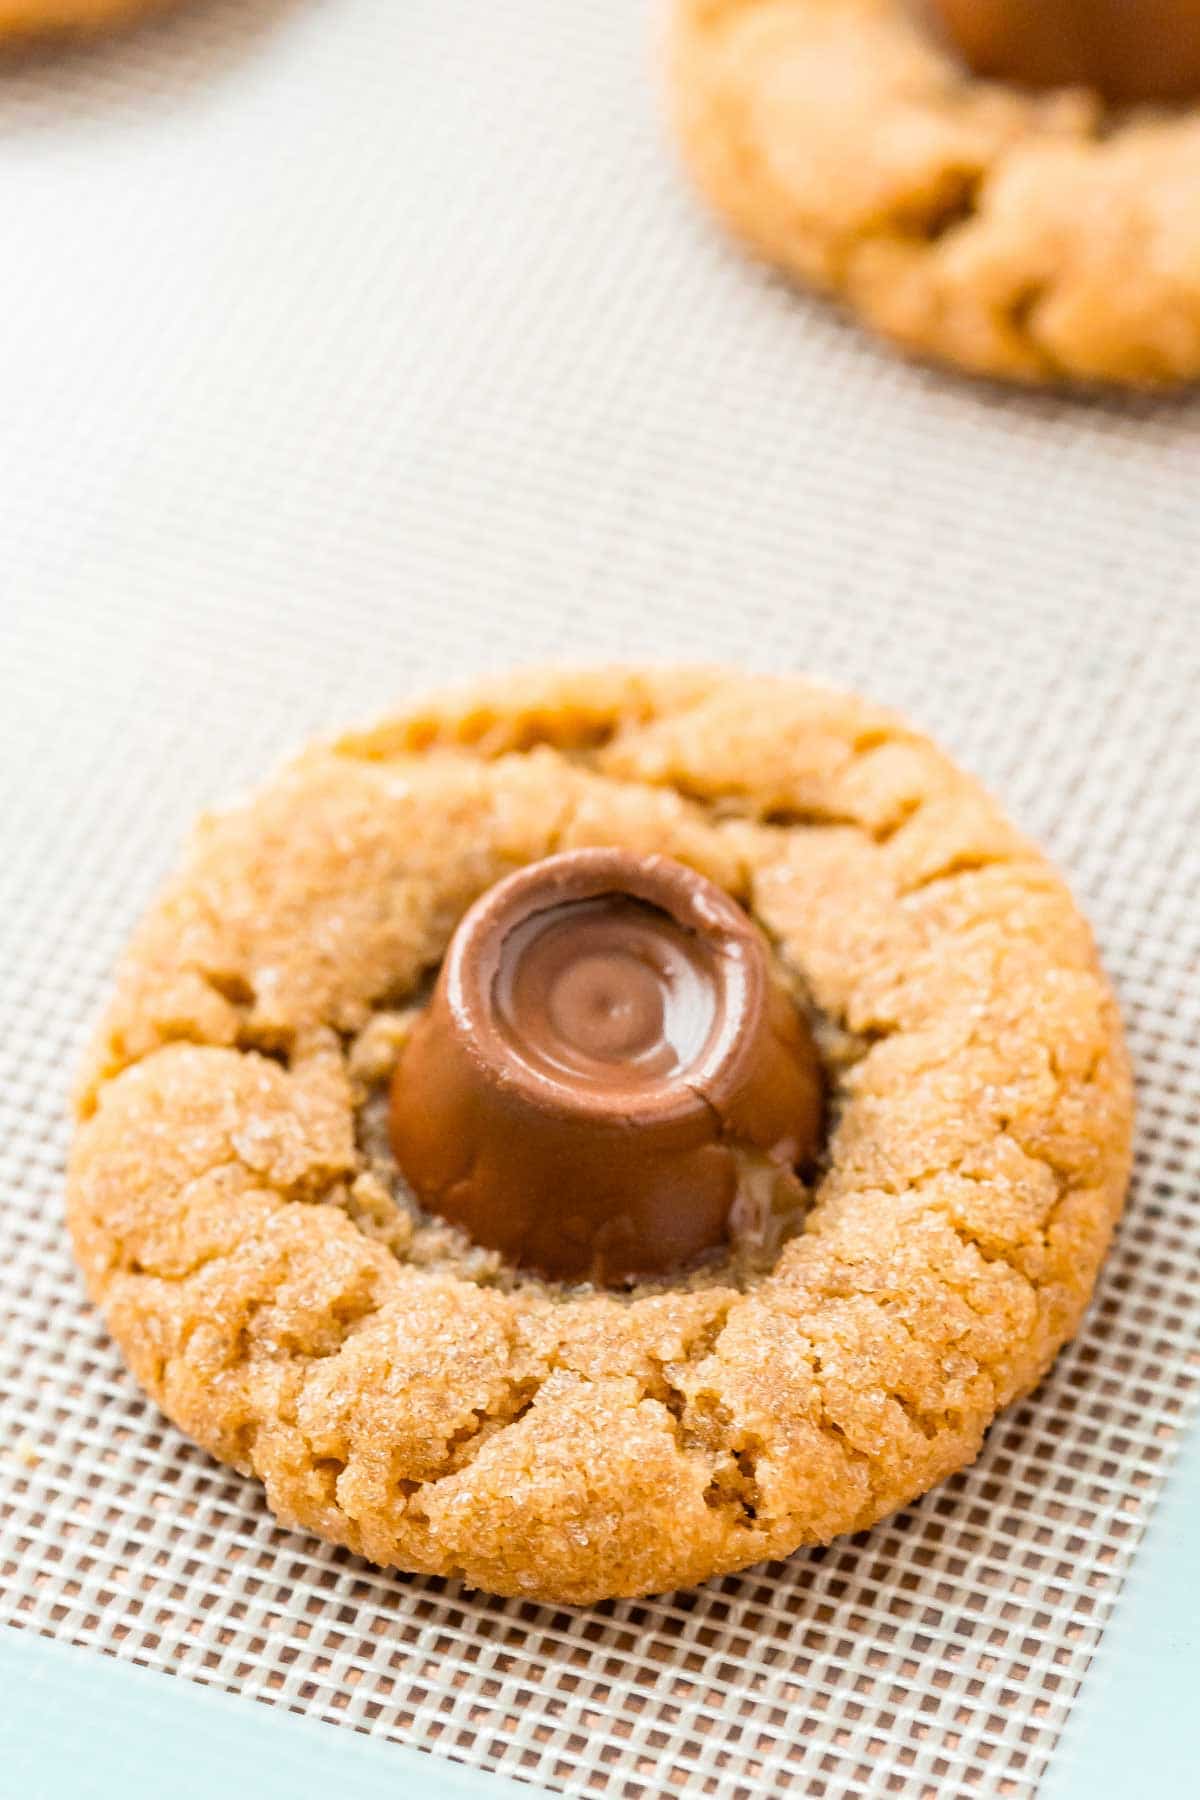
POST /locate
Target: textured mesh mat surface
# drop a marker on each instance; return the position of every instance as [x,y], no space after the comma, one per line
[351,347]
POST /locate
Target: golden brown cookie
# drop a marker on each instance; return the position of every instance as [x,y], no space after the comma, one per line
[402,1392]
[1040,238]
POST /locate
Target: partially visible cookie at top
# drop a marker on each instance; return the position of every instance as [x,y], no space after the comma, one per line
[24,22]
[1037,236]
[408,1390]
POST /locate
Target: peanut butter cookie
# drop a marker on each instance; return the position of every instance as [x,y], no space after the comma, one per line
[410,1394]
[1037,236]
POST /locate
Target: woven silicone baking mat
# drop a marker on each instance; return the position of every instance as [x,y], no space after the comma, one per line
[352,346]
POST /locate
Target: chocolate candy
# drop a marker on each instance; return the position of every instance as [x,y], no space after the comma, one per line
[605,1049]
[1127,50]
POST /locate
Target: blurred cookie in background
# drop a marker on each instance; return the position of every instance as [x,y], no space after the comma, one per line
[30,22]
[1013,228]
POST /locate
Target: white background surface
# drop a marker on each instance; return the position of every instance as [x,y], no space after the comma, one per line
[355,345]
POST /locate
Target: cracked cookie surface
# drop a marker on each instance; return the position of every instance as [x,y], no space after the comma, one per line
[400,1392]
[1035,238]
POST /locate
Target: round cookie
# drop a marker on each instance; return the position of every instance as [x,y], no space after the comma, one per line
[1039,238]
[401,1391]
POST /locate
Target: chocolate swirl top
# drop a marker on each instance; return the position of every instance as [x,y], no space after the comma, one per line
[609,992]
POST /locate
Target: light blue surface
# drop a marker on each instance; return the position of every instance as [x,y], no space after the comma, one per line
[78,1726]
[1135,1729]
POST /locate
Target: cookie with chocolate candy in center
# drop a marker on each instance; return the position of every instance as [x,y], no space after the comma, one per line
[1009,186]
[598,1131]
